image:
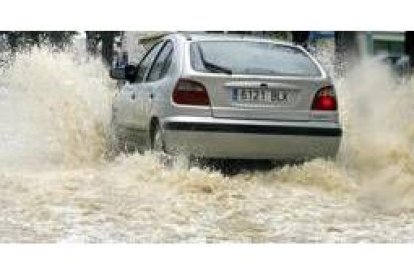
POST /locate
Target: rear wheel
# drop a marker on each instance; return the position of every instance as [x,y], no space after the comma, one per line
[167,159]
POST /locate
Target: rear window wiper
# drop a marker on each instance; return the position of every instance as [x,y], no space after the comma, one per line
[211,66]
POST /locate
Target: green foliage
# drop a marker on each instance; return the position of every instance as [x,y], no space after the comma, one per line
[28,39]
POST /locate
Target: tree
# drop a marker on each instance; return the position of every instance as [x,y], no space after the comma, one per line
[301,38]
[60,39]
[108,40]
[104,38]
[346,51]
[19,39]
[409,47]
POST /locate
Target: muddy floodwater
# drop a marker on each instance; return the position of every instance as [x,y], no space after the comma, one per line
[57,183]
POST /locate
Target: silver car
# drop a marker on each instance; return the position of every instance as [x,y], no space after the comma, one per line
[222,96]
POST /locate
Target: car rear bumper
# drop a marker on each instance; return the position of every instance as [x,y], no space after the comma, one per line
[251,139]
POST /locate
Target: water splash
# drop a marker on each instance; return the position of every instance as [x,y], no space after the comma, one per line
[378,143]
[58,107]
[55,111]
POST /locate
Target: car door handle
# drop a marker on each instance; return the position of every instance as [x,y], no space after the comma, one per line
[133,96]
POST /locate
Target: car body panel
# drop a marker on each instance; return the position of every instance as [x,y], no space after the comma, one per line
[247,139]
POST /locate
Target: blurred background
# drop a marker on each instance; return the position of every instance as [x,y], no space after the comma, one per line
[336,49]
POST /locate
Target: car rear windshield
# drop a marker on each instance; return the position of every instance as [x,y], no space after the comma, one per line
[251,58]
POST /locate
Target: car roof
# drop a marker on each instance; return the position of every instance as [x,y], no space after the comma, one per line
[223,37]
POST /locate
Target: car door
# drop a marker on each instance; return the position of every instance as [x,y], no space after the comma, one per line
[153,84]
[123,105]
[141,93]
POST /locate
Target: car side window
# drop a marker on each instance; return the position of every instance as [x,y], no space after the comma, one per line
[146,62]
[162,63]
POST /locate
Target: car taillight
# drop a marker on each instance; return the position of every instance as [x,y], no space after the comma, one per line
[325,99]
[190,92]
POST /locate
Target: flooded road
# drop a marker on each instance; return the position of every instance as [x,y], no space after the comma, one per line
[57,183]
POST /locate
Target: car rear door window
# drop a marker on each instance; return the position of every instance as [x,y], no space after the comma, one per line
[162,63]
[146,62]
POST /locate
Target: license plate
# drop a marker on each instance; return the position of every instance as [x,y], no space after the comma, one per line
[255,95]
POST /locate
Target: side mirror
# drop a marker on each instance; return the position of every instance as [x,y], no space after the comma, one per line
[127,72]
[117,73]
[130,72]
